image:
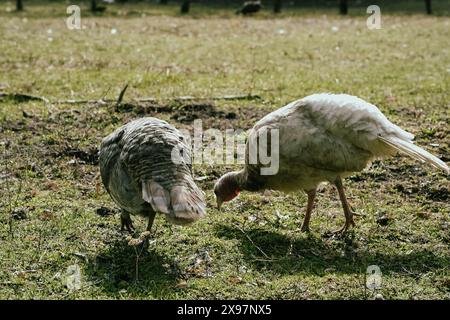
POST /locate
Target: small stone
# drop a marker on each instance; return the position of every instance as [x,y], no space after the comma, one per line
[280,216]
[202,178]
[242,269]
[267,193]
[383,219]
[379,296]
[19,214]
[182,284]
[231,115]
[103,211]
[235,280]
[57,276]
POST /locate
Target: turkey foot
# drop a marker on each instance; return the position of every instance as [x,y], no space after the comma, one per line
[348,223]
[305,228]
[348,212]
[126,222]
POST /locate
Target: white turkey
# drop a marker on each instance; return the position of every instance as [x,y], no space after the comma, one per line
[322,137]
[139,172]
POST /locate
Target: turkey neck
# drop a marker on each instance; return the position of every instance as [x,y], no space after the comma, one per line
[242,181]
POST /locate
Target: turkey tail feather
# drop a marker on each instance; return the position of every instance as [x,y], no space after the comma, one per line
[156,195]
[187,206]
[414,152]
[180,206]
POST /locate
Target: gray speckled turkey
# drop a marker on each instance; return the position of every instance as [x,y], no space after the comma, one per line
[140,175]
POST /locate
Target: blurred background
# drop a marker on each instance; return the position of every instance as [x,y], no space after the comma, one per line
[222,7]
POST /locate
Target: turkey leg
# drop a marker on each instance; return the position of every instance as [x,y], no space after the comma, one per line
[126,222]
[146,234]
[311,196]
[151,218]
[345,205]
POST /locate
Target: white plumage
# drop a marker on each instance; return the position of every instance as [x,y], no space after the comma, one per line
[323,137]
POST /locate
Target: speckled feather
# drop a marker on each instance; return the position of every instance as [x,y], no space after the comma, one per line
[139,155]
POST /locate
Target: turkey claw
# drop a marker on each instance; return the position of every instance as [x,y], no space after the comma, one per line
[126,223]
[305,229]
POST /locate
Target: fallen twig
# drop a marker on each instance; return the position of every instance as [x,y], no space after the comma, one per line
[10,216]
[153,99]
[252,242]
[92,101]
[106,93]
[268,260]
[10,283]
[120,98]
[225,97]
[20,97]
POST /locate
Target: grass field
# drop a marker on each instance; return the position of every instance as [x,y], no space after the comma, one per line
[51,191]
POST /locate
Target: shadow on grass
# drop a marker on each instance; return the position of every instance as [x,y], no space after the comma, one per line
[281,254]
[115,269]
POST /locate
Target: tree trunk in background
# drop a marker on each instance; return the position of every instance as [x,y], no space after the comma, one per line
[343,7]
[185,6]
[428,6]
[277,5]
[19,5]
[93,5]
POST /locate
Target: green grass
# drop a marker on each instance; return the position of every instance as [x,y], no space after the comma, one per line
[404,68]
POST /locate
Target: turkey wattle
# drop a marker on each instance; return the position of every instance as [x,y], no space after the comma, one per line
[322,137]
[140,175]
